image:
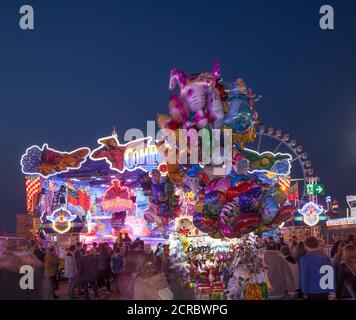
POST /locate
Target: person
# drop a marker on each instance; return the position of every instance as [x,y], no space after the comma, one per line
[114,247]
[279,274]
[87,273]
[346,277]
[94,249]
[117,267]
[151,255]
[299,251]
[350,239]
[126,239]
[85,247]
[335,247]
[51,264]
[78,247]
[310,265]
[135,243]
[15,256]
[141,245]
[270,240]
[336,261]
[71,271]
[281,243]
[77,253]
[103,266]
[261,244]
[150,283]
[37,251]
[120,238]
[133,260]
[158,249]
[285,251]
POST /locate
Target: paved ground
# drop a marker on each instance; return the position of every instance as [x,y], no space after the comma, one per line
[103,295]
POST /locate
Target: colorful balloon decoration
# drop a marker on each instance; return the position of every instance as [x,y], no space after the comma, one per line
[245,199]
[162,199]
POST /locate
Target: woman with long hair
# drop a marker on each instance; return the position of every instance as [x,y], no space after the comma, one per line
[346,277]
[337,260]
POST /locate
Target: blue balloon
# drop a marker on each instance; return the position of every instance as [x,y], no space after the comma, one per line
[213,198]
[194,170]
[247,203]
[255,192]
[237,178]
[268,210]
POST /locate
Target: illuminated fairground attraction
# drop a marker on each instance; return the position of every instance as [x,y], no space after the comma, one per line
[204,216]
[89,196]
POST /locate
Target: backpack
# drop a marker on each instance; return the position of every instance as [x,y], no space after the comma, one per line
[117,263]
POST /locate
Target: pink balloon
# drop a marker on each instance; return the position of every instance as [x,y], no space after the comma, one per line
[222,184]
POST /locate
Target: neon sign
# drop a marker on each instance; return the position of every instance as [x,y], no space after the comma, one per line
[61,220]
[33,188]
[118,198]
[311,213]
[341,222]
[268,162]
[46,162]
[137,154]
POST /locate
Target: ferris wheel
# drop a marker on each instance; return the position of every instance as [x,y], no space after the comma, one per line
[275,141]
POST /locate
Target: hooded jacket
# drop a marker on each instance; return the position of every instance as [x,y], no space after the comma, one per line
[279,274]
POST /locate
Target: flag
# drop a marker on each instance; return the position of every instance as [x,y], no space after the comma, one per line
[33,188]
[84,200]
[284,183]
[72,194]
[78,198]
[293,192]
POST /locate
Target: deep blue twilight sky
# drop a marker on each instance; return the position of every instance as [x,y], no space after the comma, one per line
[90,65]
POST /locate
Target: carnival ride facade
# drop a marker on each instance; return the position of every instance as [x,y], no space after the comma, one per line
[84,195]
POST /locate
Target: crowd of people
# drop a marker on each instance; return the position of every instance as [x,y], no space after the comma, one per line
[132,270]
[128,268]
[303,270]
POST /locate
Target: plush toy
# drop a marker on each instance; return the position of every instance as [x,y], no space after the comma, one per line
[185,227]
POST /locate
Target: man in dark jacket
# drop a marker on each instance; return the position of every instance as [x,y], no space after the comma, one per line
[103,267]
[87,273]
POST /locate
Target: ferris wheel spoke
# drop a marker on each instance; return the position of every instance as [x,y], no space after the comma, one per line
[279,145]
[259,142]
[300,179]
